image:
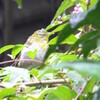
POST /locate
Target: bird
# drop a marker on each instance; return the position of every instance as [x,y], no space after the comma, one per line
[36,43]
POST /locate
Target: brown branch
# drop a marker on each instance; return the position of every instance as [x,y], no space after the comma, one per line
[54,81]
[17,60]
[69,84]
[88,4]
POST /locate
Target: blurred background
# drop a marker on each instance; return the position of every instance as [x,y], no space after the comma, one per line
[16,24]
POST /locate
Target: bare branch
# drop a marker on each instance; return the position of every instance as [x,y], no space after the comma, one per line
[88,79]
[17,60]
[69,84]
[54,81]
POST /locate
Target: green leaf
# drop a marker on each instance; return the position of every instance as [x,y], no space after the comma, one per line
[17,49]
[70,40]
[32,54]
[19,2]
[77,20]
[89,86]
[93,2]
[84,39]
[67,31]
[16,75]
[56,57]
[7,92]
[45,71]
[84,67]
[44,92]
[91,44]
[51,96]
[55,23]
[66,57]
[87,40]
[58,29]
[84,6]
[34,72]
[64,5]
[64,93]
[75,76]
[5,48]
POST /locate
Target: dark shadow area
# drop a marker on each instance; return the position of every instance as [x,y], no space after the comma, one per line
[16,25]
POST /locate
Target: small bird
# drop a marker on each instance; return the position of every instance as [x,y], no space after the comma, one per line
[36,42]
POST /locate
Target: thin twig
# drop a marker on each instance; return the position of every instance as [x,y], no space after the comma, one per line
[86,27]
[88,4]
[88,79]
[17,60]
[54,81]
[69,84]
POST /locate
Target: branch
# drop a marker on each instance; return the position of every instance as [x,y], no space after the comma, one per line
[69,84]
[17,60]
[88,79]
[86,27]
[54,81]
[88,4]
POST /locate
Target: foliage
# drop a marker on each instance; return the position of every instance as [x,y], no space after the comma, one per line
[19,2]
[72,75]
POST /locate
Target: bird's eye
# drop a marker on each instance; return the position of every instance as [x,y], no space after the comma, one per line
[40,34]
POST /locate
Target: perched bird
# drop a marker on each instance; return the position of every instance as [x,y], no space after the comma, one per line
[36,43]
